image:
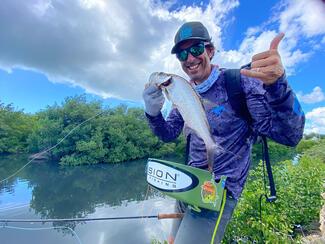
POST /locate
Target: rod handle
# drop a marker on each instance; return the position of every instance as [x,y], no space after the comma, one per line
[170,216]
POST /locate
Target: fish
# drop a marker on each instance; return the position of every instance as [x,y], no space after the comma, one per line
[183,96]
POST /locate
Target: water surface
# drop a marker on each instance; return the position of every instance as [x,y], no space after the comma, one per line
[47,191]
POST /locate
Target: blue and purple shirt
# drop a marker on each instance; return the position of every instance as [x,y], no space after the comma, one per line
[274,109]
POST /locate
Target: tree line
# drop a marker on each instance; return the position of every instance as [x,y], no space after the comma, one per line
[86,132]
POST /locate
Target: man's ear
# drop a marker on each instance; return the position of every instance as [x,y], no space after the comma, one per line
[211,52]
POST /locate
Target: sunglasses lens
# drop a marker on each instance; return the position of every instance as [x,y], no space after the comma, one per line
[197,50]
[182,56]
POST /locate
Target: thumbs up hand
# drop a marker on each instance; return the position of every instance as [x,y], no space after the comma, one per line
[267,66]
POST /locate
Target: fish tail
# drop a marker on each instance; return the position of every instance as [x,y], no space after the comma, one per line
[210,158]
[215,150]
[211,152]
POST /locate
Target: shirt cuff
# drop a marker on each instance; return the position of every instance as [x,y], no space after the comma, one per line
[154,118]
[277,90]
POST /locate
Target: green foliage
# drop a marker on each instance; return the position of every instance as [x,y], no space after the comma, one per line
[317,150]
[165,149]
[180,146]
[298,190]
[15,126]
[305,144]
[277,151]
[63,126]
[110,135]
[155,241]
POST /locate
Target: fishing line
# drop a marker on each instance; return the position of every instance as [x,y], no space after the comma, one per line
[232,153]
[6,221]
[51,148]
[145,221]
[145,198]
[150,191]
[8,208]
[44,228]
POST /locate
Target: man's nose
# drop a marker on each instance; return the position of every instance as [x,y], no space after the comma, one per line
[190,57]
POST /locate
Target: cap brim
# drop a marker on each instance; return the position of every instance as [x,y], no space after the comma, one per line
[176,47]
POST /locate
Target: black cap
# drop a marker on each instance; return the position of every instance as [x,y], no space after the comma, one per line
[189,31]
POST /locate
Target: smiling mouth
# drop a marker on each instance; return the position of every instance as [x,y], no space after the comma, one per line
[193,67]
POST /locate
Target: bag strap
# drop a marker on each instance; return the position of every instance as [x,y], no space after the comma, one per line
[266,159]
[237,100]
[236,94]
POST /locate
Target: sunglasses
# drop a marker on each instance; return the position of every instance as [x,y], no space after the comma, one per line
[196,50]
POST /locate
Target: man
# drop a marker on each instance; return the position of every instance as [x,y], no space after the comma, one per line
[272,105]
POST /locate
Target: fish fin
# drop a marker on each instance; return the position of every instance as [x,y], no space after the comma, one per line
[167,94]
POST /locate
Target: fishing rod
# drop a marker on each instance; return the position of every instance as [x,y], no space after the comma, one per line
[158,216]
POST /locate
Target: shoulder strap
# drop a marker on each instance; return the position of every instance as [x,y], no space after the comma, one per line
[237,101]
[235,93]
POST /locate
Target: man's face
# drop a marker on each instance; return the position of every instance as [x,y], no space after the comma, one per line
[197,68]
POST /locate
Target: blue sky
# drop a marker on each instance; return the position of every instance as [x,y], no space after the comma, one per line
[107,49]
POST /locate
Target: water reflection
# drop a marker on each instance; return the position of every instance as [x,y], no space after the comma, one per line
[75,192]
[296,159]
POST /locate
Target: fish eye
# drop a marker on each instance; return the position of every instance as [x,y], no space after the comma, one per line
[166,83]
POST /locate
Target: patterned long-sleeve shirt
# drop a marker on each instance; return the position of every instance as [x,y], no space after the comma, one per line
[275,112]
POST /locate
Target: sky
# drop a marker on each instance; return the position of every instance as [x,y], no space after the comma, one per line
[107,49]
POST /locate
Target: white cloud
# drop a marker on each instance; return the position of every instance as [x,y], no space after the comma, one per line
[249,46]
[110,47]
[301,21]
[294,18]
[306,17]
[107,47]
[315,121]
[41,7]
[315,96]
[260,42]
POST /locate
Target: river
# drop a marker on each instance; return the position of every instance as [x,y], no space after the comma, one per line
[46,190]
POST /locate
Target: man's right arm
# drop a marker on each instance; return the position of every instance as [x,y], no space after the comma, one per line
[166,130]
[169,129]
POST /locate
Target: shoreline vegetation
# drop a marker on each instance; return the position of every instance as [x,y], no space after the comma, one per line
[119,134]
[86,132]
[295,213]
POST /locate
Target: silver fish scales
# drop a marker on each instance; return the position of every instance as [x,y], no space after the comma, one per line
[186,100]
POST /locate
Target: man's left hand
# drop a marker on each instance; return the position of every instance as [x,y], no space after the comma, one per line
[267,66]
